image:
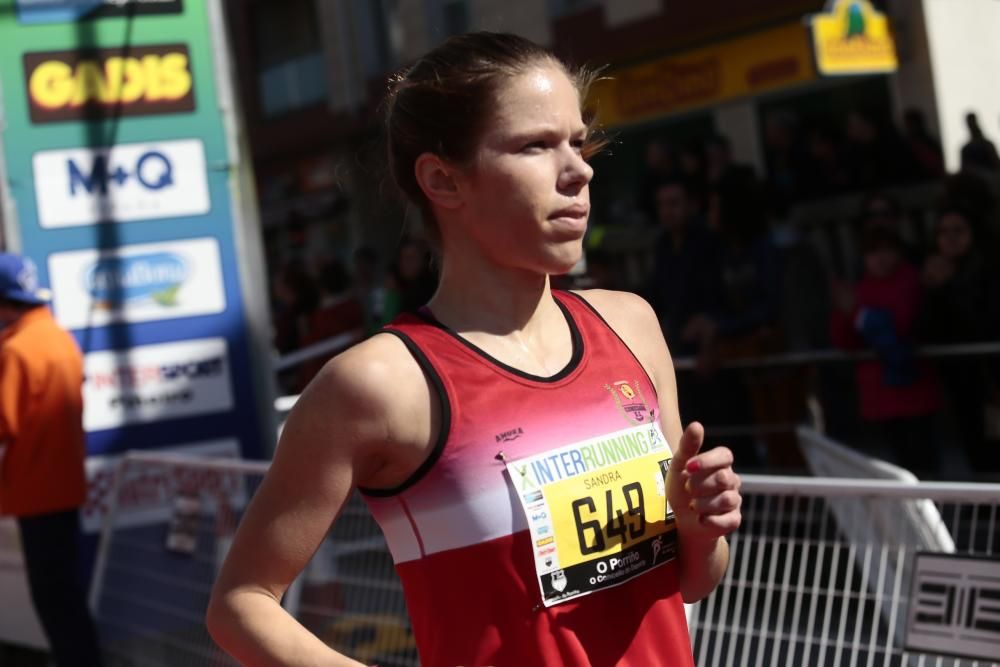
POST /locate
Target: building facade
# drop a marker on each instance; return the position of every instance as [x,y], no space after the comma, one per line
[312,75]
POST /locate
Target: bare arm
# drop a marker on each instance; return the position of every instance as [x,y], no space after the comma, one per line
[333,441]
[702,488]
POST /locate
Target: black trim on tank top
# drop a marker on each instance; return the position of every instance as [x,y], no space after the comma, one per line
[428,369]
[591,308]
[575,336]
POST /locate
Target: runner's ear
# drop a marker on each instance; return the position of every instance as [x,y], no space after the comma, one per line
[437,180]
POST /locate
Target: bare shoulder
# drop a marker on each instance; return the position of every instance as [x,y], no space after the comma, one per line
[625,312]
[372,401]
[349,428]
[372,375]
[635,322]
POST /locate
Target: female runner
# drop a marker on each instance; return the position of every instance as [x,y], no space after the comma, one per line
[510,440]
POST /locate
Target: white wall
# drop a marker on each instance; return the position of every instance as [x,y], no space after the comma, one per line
[965,61]
[737,121]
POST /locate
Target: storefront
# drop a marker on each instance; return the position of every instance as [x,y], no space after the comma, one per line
[822,69]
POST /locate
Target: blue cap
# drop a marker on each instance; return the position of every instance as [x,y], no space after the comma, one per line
[19,280]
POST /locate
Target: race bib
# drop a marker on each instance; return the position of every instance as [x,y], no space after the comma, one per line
[597,511]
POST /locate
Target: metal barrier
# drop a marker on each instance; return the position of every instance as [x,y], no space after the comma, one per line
[285,403]
[839,356]
[805,585]
[169,525]
[323,347]
[802,589]
[165,534]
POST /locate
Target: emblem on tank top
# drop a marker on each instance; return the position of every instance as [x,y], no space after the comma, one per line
[630,401]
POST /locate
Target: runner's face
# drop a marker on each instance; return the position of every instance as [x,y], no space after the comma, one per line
[528,186]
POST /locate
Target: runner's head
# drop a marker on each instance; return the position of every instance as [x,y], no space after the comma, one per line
[486,136]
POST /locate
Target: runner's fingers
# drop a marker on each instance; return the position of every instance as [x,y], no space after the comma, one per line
[722,503]
[710,461]
[722,524]
[701,486]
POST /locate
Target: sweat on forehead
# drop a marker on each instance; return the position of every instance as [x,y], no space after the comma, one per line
[539,96]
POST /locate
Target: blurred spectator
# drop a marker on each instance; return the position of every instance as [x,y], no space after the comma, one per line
[693,169]
[685,281]
[42,477]
[925,150]
[962,305]
[979,152]
[874,153]
[750,269]
[805,326]
[882,211]
[823,172]
[684,288]
[898,395]
[412,280]
[719,163]
[786,157]
[747,323]
[660,165]
[970,191]
[601,272]
[369,287]
[338,312]
[805,294]
[295,298]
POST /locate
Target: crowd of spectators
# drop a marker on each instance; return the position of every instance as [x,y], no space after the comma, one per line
[729,281]
[733,280]
[315,302]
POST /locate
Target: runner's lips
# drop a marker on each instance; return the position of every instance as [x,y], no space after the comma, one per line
[572,212]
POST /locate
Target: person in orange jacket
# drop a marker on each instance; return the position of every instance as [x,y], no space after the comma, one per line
[42,480]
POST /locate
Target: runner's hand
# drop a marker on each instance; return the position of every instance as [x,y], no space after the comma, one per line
[702,488]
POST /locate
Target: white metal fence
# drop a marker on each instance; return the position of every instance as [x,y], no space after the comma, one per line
[818,578]
[819,574]
[168,529]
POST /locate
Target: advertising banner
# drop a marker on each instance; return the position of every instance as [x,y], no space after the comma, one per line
[852,37]
[126,81]
[121,175]
[137,283]
[56,11]
[762,62]
[124,183]
[156,382]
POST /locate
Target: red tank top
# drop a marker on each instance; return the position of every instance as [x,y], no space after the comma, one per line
[474,558]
